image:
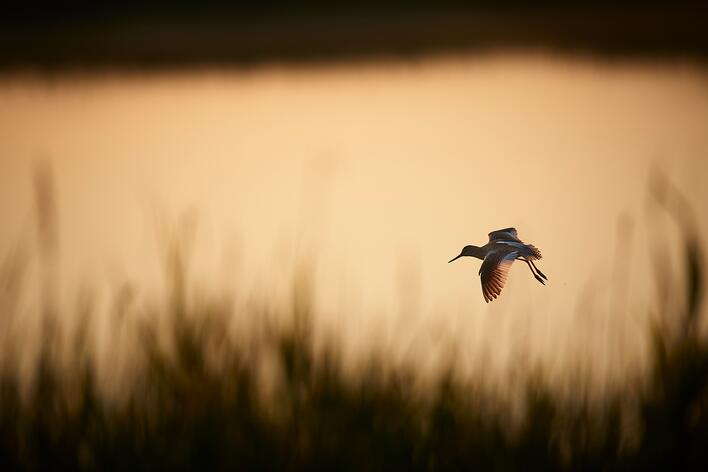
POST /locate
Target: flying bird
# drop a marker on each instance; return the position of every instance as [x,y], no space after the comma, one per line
[503,248]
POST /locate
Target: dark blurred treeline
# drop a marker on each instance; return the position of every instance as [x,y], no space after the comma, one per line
[273,399]
[158,34]
[75,9]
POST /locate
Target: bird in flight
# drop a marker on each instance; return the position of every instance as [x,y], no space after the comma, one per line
[503,248]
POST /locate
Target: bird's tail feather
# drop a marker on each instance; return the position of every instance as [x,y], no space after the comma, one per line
[536,253]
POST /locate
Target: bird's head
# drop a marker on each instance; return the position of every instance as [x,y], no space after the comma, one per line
[468,251]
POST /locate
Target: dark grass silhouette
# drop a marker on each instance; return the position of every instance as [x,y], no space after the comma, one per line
[198,401]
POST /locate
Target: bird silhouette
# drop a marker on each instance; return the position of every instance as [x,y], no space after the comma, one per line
[503,248]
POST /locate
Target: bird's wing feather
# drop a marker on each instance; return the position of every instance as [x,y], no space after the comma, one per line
[494,271]
[506,234]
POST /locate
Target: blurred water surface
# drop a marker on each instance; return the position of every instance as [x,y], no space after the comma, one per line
[374,176]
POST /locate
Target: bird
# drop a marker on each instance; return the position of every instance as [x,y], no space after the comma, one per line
[503,248]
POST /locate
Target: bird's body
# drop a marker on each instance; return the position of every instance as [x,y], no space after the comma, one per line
[503,248]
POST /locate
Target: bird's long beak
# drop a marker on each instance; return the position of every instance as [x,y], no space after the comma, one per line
[454,258]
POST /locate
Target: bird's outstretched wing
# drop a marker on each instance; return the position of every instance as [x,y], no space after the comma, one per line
[507,234]
[494,271]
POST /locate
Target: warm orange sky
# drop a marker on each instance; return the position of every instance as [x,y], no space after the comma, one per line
[385,171]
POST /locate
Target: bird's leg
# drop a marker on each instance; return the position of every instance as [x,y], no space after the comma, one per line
[528,263]
[539,272]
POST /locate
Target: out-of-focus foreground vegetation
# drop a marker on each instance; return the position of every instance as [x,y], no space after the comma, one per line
[204,397]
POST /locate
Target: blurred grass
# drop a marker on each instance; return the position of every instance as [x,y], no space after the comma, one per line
[203,397]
